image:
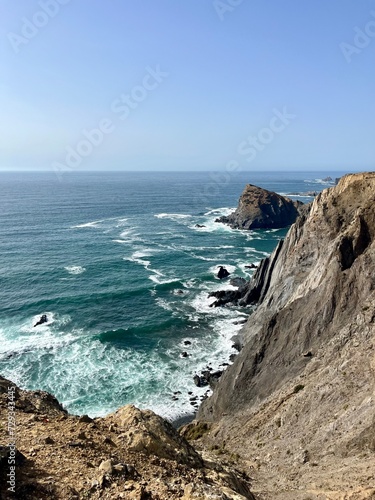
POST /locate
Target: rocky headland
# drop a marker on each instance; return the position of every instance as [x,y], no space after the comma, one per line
[295,412]
[260,208]
[298,403]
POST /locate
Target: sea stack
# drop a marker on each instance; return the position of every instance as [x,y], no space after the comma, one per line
[259,208]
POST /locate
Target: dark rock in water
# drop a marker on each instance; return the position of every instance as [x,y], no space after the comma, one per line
[232,357]
[43,319]
[225,296]
[251,266]
[200,381]
[261,209]
[238,282]
[327,179]
[179,292]
[207,378]
[240,322]
[184,354]
[223,273]
[200,225]
[187,342]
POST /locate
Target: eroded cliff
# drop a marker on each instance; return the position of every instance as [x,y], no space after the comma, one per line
[303,385]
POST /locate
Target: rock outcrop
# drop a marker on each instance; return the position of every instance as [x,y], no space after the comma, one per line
[131,454]
[262,209]
[301,391]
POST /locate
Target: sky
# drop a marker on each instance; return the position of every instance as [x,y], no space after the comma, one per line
[187,85]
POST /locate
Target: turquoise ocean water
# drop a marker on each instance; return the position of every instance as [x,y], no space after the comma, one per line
[119,266]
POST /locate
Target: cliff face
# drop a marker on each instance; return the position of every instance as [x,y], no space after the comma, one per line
[259,208]
[305,377]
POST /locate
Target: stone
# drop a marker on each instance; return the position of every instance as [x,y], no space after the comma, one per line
[106,467]
[146,432]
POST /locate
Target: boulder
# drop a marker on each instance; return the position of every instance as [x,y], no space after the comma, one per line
[144,431]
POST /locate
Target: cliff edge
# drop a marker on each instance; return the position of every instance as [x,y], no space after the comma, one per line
[46,453]
[300,394]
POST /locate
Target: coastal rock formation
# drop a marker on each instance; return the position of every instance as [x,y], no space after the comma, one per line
[131,454]
[259,208]
[43,319]
[222,273]
[301,391]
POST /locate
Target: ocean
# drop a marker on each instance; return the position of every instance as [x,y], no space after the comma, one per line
[122,264]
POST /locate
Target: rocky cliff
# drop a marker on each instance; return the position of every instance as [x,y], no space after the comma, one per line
[300,395]
[259,208]
[130,454]
[295,411]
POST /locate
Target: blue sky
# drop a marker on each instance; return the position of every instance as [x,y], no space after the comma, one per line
[225,70]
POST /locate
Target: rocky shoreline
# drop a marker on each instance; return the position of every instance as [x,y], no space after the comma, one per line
[293,418]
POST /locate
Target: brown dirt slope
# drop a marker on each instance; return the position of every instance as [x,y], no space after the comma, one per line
[130,454]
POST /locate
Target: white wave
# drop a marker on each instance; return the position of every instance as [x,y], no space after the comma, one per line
[172,216]
[156,278]
[319,181]
[120,241]
[210,226]
[144,263]
[128,233]
[145,252]
[221,211]
[26,337]
[128,236]
[121,222]
[75,269]
[88,224]
[164,304]
[200,257]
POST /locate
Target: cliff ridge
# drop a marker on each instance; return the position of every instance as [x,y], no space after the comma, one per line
[304,382]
